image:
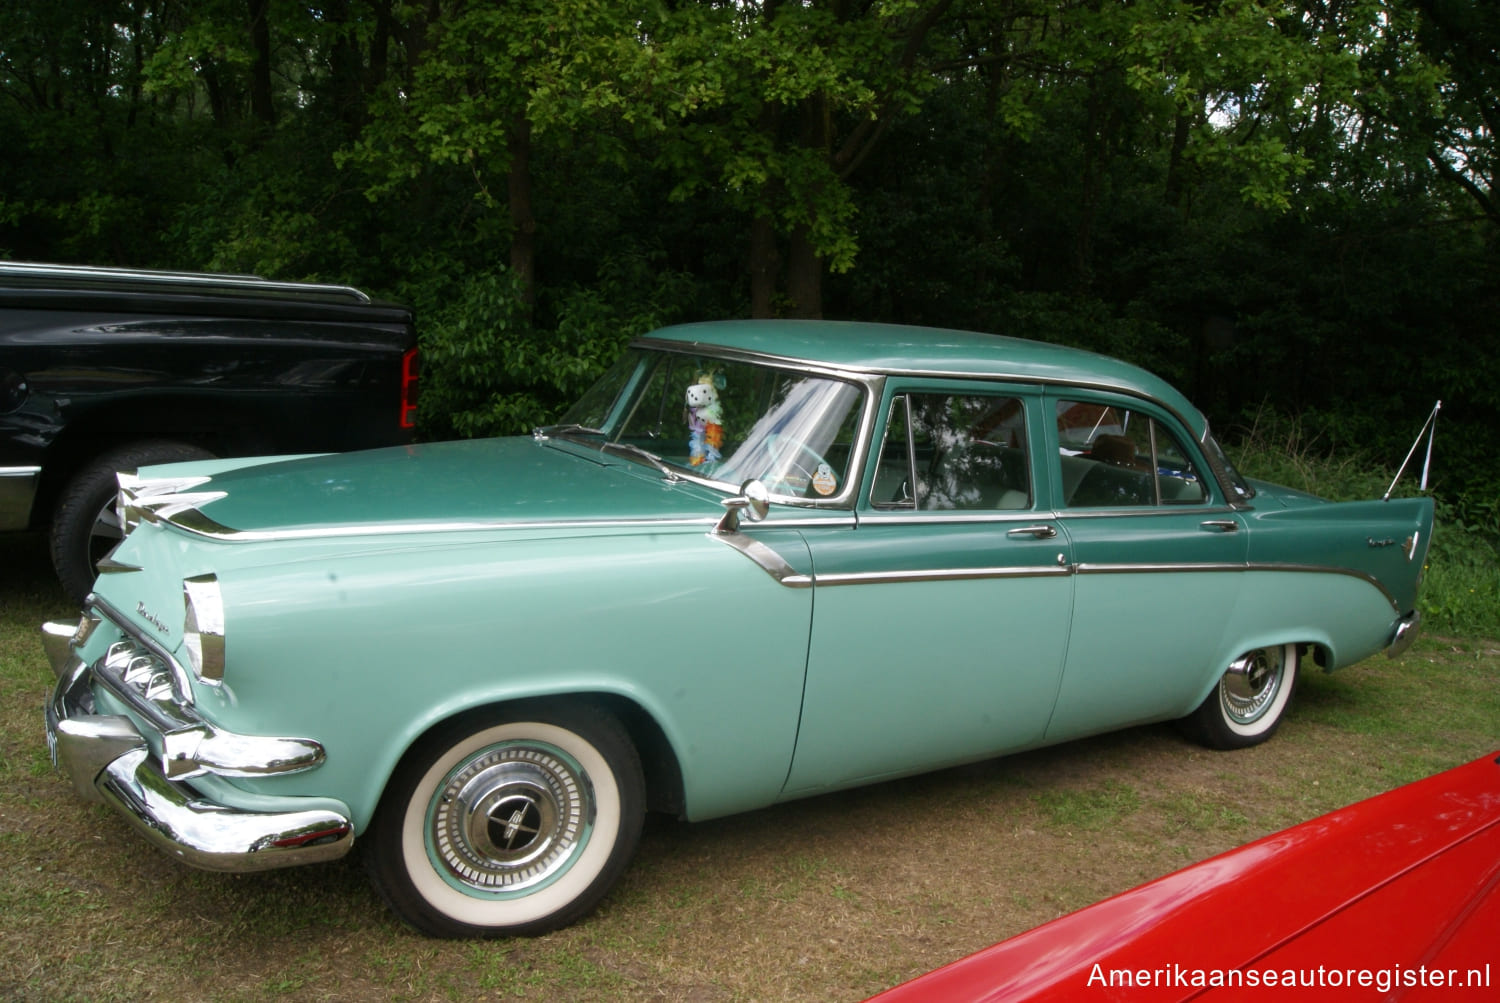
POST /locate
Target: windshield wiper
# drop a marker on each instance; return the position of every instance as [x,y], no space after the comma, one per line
[573,428]
[631,449]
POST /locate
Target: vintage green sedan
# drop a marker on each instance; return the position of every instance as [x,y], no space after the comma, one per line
[757,561]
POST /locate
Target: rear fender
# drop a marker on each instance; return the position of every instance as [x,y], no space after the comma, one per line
[1385,542]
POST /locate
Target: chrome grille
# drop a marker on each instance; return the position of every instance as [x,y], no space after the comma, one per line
[146,681]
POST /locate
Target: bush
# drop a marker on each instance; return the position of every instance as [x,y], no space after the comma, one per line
[489,368]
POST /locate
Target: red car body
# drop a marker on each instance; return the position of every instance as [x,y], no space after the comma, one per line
[1393,898]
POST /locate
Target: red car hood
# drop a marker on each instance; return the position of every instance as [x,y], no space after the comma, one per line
[1394,898]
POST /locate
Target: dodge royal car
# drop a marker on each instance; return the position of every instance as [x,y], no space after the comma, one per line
[1396,897]
[756,562]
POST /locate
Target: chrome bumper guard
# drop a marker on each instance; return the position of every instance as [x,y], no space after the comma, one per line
[107,759]
[1405,633]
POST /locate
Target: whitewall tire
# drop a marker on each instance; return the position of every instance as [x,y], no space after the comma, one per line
[494,826]
[1249,702]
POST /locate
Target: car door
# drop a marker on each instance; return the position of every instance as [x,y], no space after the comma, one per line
[1159,559]
[941,620]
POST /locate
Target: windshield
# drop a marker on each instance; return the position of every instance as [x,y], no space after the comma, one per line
[724,420]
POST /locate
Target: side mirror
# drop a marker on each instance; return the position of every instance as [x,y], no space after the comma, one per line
[754,500]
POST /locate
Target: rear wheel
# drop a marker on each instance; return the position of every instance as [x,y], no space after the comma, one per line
[1247,705]
[516,824]
[85,525]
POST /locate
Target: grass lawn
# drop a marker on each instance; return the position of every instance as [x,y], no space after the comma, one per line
[832,898]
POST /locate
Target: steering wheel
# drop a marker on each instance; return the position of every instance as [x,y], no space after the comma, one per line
[791,455]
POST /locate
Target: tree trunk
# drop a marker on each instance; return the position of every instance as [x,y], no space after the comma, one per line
[522,218]
[763,268]
[261,107]
[1176,187]
[804,277]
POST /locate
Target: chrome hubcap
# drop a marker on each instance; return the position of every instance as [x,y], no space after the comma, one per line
[509,818]
[1250,684]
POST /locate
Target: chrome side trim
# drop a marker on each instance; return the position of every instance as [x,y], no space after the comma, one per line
[1144,511]
[770,562]
[1312,569]
[940,575]
[906,517]
[777,520]
[778,569]
[1165,568]
[17,493]
[938,518]
[196,523]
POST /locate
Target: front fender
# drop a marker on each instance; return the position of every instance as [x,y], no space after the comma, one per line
[366,653]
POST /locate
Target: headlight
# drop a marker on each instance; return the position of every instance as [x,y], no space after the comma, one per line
[203,628]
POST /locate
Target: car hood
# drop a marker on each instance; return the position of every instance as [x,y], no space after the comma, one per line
[477,483]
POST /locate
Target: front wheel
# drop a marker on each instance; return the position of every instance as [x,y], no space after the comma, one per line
[1247,705]
[512,825]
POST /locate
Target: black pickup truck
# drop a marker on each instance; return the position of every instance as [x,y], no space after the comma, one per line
[106,369]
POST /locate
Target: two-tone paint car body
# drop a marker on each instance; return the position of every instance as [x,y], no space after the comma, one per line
[1394,898]
[760,560]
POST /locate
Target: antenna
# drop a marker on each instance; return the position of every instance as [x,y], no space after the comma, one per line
[1431,423]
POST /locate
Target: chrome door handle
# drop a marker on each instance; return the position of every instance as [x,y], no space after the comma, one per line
[1220,526]
[1041,532]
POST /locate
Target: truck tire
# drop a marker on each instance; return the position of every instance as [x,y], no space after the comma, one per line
[85,526]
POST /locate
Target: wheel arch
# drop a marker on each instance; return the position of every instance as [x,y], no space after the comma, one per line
[104,429]
[1316,643]
[659,760]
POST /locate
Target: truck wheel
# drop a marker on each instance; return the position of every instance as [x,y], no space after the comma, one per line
[510,824]
[85,525]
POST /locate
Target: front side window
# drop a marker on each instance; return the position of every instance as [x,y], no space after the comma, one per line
[724,420]
[1113,457]
[948,452]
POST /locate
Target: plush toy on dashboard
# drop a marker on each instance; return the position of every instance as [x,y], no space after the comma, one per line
[705,421]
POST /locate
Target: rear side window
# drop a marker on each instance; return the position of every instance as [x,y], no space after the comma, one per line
[953,452]
[1113,457]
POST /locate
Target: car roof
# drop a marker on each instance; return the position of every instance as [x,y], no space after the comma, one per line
[900,349]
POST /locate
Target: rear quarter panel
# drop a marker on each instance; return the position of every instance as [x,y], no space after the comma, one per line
[1340,573]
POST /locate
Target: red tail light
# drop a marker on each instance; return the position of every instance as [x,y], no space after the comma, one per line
[411,372]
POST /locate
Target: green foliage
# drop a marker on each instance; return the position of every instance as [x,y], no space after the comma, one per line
[489,370]
[1461,591]
[1261,202]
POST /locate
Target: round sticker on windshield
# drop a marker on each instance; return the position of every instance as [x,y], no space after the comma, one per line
[824,481]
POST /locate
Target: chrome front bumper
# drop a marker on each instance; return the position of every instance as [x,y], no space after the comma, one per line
[108,759]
